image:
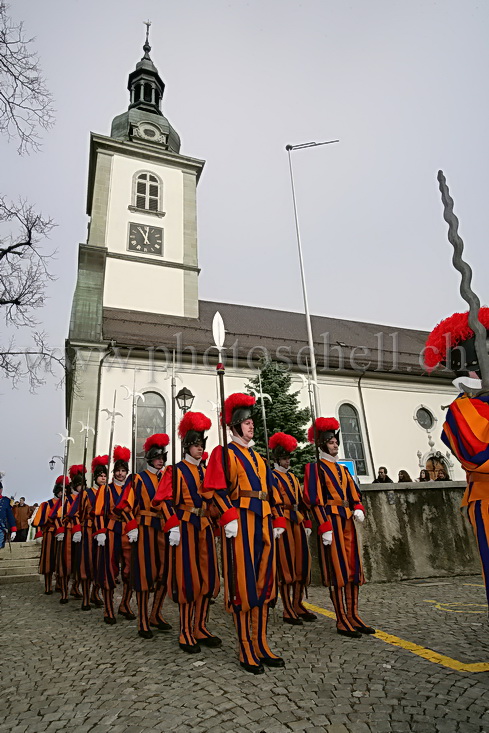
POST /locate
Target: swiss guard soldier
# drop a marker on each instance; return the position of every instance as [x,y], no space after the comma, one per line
[335,500]
[76,515]
[466,427]
[151,554]
[294,556]
[99,479]
[117,529]
[193,575]
[45,534]
[63,525]
[249,501]
[7,519]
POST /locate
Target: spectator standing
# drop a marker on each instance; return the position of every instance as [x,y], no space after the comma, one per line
[424,475]
[22,513]
[7,519]
[442,475]
[382,477]
[404,476]
[31,534]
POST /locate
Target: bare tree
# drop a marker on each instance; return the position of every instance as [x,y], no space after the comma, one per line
[26,107]
[24,276]
[25,102]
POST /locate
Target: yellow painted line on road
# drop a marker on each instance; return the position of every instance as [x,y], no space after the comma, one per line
[461,607]
[419,651]
[475,585]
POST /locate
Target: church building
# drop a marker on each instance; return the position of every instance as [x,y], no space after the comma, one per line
[136,303]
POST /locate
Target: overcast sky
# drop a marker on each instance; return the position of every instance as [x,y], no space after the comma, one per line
[402,85]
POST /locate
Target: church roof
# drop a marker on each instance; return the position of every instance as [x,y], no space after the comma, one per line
[339,344]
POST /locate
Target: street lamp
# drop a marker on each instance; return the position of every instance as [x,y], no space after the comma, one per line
[289,148]
[185,399]
[52,462]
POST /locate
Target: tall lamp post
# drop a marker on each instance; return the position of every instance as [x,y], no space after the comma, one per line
[289,149]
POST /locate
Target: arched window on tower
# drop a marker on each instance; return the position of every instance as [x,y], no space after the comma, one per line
[150,419]
[351,438]
[148,93]
[148,191]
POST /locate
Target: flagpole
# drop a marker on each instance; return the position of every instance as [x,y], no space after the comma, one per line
[310,340]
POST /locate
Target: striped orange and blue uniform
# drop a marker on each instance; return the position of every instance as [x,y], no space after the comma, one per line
[466,433]
[45,529]
[193,577]
[84,552]
[115,523]
[332,497]
[63,549]
[150,554]
[249,560]
[294,556]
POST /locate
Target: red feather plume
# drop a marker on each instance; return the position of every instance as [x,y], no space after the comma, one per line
[322,425]
[448,334]
[193,421]
[159,439]
[285,441]
[100,461]
[59,481]
[238,399]
[75,470]
[205,455]
[121,454]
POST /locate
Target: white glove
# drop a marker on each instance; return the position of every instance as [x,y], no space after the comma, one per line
[327,537]
[358,515]
[39,540]
[231,529]
[101,538]
[60,537]
[308,531]
[13,536]
[174,536]
[277,531]
[76,536]
[132,535]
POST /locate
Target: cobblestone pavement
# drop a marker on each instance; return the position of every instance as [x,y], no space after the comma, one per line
[65,670]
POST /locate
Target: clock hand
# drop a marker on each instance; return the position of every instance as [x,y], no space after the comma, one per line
[145,234]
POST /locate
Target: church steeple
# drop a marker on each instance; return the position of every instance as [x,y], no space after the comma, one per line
[145,85]
[144,120]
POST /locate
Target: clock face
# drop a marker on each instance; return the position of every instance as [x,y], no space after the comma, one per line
[145,239]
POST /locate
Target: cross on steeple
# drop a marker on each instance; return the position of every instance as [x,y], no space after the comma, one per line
[147,47]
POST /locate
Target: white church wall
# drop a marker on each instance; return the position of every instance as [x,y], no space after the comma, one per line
[390,406]
[137,286]
[120,197]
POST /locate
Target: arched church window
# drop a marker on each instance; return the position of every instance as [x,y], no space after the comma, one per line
[150,418]
[148,93]
[148,190]
[351,438]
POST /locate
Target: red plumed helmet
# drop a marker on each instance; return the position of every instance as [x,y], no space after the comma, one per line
[448,334]
[101,461]
[282,440]
[59,481]
[158,439]
[75,470]
[205,455]
[323,425]
[193,421]
[238,401]
[121,454]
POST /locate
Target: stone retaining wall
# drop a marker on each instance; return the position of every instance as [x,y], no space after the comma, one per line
[414,530]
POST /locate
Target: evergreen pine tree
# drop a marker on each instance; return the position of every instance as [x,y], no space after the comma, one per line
[283,414]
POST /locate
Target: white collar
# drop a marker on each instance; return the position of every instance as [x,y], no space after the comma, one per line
[239,440]
[151,469]
[327,457]
[280,468]
[192,461]
[118,483]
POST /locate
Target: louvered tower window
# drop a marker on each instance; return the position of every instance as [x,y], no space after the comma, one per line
[148,192]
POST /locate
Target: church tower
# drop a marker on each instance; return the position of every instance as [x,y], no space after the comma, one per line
[140,257]
[141,251]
